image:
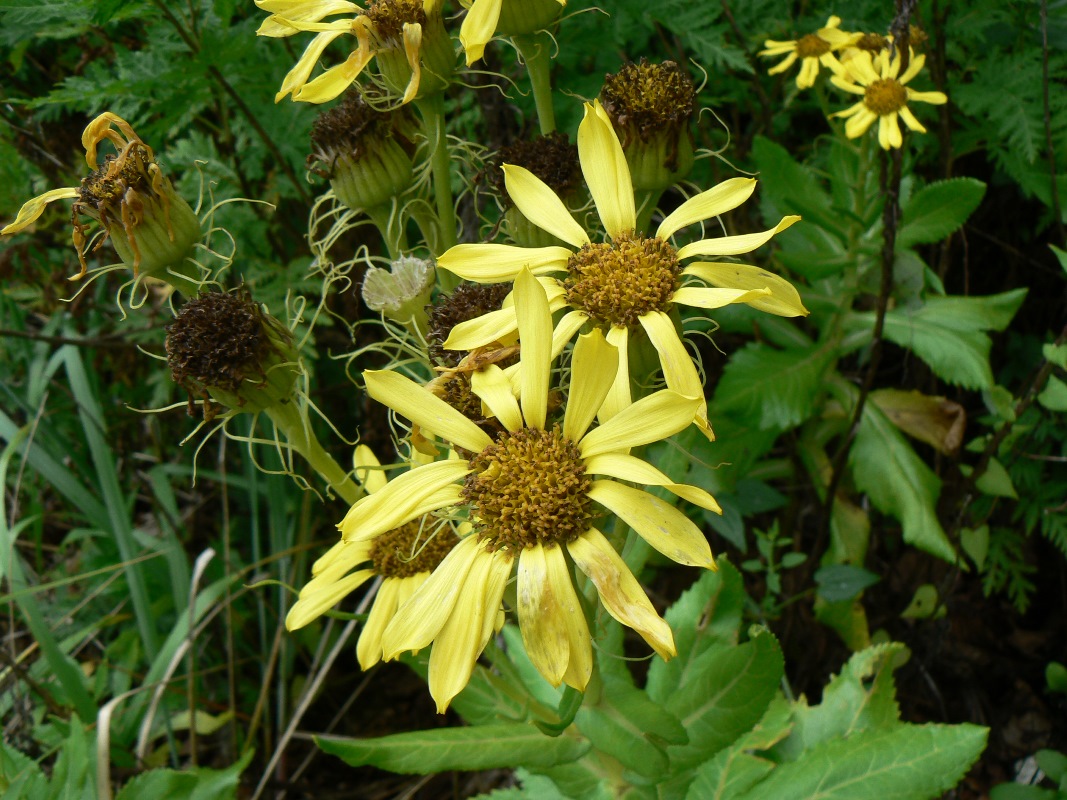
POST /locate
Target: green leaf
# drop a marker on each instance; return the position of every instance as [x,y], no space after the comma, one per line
[975,543]
[20,777]
[1061,256]
[886,467]
[1054,395]
[996,481]
[1056,677]
[838,582]
[482,747]
[727,693]
[707,614]
[772,388]
[937,210]
[194,784]
[628,726]
[1052,764]
[907,762]
[1056,353]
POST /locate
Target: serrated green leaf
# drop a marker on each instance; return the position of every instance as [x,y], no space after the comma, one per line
[886,467]
[728,692]
[996,481]
[838,582]
[20,777]
[707,614]
[793,187]
[1054,395]
[773,389]
[908,762]
[194,784]
[937,210]
[496,746]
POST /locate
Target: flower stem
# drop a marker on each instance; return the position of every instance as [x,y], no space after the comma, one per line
[391,226]
[432,110]
[534,49]
[296,428]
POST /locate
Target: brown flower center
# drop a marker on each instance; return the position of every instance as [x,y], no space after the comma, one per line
[648,99]
[811,46]
[389,17]
[886,96]
[529,488]
[872,43]
[410,549]
[616,282]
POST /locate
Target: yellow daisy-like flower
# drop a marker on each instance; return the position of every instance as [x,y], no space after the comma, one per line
[531,495]
[812,50]
[403,34]
[403,558]
[885,95]
[508,17]
[630,282]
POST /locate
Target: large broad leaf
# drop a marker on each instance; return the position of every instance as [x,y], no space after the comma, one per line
[947,333]
[631,728]
[861,697]
[481,747]
[194,784]
[937,210]
[707,614]
[885,466]
[727,694]
[907,762]
[773,389]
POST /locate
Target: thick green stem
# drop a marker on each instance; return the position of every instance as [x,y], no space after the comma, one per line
[295,427]
[534,49]
[432,110]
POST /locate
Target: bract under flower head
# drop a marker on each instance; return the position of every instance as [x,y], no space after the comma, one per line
[530,494]
[885,95]
[630,282]
[404,35]
[151,227]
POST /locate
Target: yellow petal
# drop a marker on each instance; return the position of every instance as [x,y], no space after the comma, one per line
[635,470]
[297,77]
[367,473]
[677,363]
[784,64]
[716,298]
[333,81]
[535,337]
[620,592]
[784,300]
[858,124]
[594,365]
[418,491]
[419,620]
[312,606]
[733,245]
[543,612]
[431,413]
[495,263]
[715,201]
[542,206]
[412,44]
[657,416]
[347,554]
[915,66]
[809,71]
[660,524]
[936,98]
[32,209]
[619,395]
[478,28]
[466,631]
[910,120]
[605,171]
[480,331]
[369,646]
[494,388]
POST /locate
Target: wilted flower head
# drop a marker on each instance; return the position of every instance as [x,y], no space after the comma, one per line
[151,227]
[222,347]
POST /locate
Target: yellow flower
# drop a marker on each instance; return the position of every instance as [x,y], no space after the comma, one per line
[885,96]
[508,17]
[150,226]
[812,50]
[531,495]
[629,283]
[405,35]
[403,558]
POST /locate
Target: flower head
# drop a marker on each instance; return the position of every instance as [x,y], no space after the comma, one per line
[403,558]
[404,35]
[631,282]
[532,495]
[485,18]
[151,227]
[812,50]
[885,95]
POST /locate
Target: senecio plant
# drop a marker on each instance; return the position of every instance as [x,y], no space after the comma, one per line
[539,366]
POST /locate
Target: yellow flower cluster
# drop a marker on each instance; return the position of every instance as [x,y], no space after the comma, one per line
[863,64]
